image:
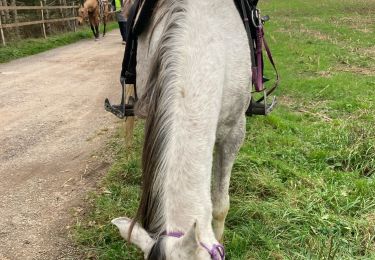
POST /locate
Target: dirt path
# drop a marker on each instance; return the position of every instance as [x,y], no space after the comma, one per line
[52,124]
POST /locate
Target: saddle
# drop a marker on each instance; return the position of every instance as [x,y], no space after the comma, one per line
[140,14]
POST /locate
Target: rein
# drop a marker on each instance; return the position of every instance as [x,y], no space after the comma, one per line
[217,252]
[255,33]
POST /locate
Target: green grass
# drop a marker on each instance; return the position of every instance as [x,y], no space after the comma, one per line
[303,185]
[27,47]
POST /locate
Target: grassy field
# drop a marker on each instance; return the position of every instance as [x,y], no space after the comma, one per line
[23,48]
[303,186]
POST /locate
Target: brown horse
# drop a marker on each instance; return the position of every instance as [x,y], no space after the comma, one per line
[94,10]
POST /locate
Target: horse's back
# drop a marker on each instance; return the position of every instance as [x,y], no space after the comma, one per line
[223,44]
[215,57]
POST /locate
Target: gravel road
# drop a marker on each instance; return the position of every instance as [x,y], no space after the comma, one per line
[53,129]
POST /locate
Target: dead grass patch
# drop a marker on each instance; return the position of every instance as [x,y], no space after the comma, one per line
[319,115]
[287,101]
[324,73]
[310,108]
[359,23]
[316,34]
[369,233]
[356,69]
[370,52]
[310,32]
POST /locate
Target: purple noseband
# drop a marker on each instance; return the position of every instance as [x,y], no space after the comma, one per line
[217,251]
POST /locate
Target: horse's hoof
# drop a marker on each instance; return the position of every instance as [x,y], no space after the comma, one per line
[96,39]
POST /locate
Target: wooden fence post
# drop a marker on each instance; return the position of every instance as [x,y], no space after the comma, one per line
[2,33]
[74,15]
[43,25]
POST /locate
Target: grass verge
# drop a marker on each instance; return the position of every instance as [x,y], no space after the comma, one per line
[27,47]
[303,185]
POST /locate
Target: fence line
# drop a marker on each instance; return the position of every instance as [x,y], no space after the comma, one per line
[11,25]
[4,8]
[43,20]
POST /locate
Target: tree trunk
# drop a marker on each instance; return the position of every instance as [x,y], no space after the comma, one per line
[62,14]
[1,12]
[48,25]
[15,18]
[6,12]
[1,28]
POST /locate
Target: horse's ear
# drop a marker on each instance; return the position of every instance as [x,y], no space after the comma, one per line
[139,236]
[190,241]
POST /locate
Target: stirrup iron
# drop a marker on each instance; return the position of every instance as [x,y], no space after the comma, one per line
[261,107]
[122,110]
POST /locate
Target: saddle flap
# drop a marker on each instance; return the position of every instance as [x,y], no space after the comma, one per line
[144,12]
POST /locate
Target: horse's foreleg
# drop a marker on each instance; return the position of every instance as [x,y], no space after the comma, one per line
[104,24]
[225,155]
[94,23]
[92,29]
[105,18]
[97,31]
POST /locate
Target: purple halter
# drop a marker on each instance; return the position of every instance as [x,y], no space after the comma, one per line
[217,252]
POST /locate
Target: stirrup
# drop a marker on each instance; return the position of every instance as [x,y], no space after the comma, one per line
[122,110]
[261,107]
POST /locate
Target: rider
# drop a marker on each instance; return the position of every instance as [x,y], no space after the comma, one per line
[121,19]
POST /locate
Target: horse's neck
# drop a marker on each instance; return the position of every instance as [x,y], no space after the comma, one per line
[192,111]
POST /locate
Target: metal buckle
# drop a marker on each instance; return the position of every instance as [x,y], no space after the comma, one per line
[255,18]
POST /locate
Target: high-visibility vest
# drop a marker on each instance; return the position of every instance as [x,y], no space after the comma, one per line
[118,5]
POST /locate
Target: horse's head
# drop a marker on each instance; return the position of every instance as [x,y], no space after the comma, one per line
[182,247]
[82,15]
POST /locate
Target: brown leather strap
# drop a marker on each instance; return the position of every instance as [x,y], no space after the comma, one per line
[269,55]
